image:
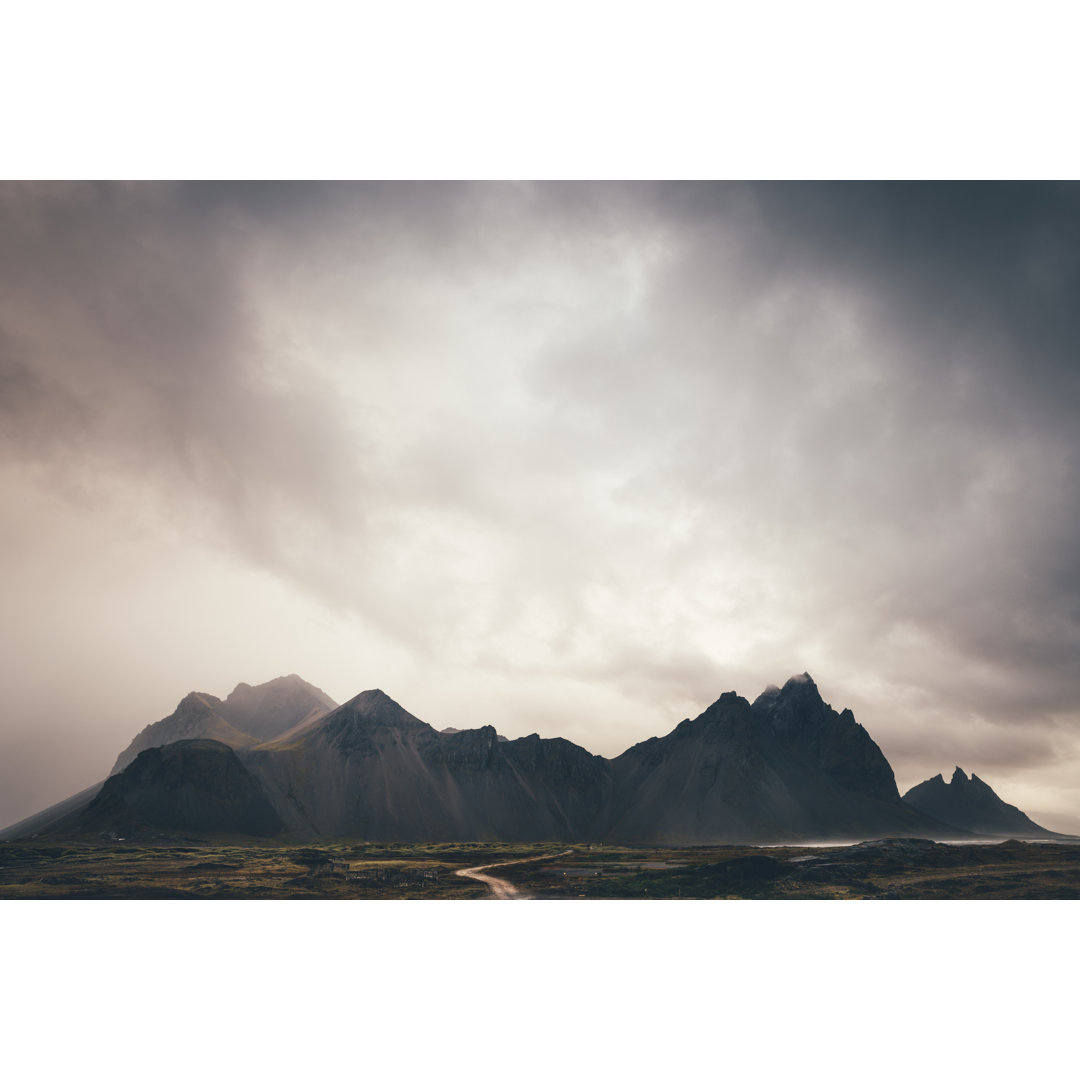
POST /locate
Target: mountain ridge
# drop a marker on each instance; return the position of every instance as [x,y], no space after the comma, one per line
[786,767]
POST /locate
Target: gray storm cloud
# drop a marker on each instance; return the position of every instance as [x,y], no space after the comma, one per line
[587,455]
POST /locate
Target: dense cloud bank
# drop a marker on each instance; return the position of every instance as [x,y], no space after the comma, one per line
[601,451]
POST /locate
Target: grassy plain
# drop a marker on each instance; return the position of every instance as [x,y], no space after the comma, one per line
[235,869]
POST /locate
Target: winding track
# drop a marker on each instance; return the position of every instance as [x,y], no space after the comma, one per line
[500,889]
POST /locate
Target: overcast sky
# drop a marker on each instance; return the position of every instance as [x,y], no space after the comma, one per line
[565,458]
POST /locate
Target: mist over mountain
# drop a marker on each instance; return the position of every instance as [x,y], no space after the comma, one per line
[970,803]
[281,756]
[235,446]
[56,818]
[248,716]
[276,707]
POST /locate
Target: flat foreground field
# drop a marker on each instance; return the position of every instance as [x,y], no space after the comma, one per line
[225,869]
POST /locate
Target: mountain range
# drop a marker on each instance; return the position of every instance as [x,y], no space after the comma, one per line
[283,759]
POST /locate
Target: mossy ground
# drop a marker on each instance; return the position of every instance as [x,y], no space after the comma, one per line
[235,869]
[241,869]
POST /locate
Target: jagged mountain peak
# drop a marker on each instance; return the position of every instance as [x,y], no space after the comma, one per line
[767,696]
[796,702]
[970,803]
[973,786]
[800,720]
[799,689]
[801,684]
[725,705]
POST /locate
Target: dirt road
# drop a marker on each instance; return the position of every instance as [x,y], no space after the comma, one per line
[500,889]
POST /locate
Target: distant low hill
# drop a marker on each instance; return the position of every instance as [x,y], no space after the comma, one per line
[970,803]
[282,757]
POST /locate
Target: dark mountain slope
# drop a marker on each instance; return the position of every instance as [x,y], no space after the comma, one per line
[195,785]
[971,804]
[372,769]
[831,743]
[787,767]
[53,817]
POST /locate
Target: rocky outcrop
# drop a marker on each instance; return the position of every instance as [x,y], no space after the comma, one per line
[970,803]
